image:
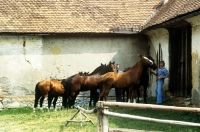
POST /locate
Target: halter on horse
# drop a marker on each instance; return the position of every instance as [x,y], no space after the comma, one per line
[130,78]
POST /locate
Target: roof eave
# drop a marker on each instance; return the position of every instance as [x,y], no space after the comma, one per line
[173,20]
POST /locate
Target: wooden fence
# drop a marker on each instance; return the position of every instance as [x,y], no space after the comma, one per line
[103,113]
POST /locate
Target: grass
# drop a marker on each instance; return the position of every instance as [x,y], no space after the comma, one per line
[25,120]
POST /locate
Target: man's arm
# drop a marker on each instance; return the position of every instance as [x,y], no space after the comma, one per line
[165,74]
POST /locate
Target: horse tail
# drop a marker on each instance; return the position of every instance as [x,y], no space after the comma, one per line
[37,95]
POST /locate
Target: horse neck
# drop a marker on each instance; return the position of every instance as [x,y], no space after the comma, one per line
[138,68]
[100,71]
[145,68]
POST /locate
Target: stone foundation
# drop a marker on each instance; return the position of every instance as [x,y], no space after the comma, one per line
[7,101]
[195,98]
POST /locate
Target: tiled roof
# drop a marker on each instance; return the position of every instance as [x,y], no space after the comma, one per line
[72,16]
[173,9]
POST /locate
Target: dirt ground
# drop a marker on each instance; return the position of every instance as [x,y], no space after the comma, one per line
[178,101]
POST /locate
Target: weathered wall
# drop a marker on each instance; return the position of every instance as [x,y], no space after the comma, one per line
[156,37]
[195,22]
[25,60]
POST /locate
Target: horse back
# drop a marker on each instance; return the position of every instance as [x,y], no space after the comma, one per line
[44,87]
[110,76]
[56,88]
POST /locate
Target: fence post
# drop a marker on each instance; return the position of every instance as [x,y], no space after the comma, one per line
[100,116]
[102,119]
[105,121]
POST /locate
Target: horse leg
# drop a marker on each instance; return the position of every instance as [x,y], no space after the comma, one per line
[101,93]
[145,94]
[73,99]
[134,95]
[64,102]
[138,94]
[91,97]
[50,98]
[96,98]
[123,95]
[127,94]
[37,97]
[41,102]
[54,102]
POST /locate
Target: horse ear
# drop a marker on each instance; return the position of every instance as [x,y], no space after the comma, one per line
[140,56]
[114,62]
[101,64]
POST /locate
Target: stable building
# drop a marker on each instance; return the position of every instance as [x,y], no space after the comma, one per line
[56,39]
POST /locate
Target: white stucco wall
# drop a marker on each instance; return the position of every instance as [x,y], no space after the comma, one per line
[26,60]
[195,23]
[20,65]
[159,36]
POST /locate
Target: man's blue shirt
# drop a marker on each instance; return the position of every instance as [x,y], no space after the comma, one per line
[119,71]
[162,72]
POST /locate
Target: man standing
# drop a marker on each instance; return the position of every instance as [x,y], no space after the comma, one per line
[161,74]
[118,92]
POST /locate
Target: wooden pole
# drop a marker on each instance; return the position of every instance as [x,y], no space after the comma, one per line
[80,111]
[151,119]
[87,111]
[150,106]
[100,116]
[105,120]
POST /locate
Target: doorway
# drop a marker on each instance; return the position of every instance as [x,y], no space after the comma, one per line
[180,74]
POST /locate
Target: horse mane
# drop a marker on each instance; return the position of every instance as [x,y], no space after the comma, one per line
[96,70]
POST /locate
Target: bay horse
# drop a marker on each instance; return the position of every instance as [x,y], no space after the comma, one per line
[51,89]
[129,79]
[88,82]
[144,81]
[48,88]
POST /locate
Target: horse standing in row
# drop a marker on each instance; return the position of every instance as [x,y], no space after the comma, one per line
[89,82]
[48,88]
[129,79]
[144,81]
[51,89]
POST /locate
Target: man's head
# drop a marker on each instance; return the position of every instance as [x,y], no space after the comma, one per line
[162,63]
[117,67]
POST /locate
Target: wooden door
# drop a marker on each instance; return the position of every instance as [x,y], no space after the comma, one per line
[180,77]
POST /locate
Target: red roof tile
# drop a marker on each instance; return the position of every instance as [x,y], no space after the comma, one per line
[173,9]
[73,16]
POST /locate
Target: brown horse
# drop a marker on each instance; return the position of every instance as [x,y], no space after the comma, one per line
[130,78]
[144,81]
[51,89]
[89,82]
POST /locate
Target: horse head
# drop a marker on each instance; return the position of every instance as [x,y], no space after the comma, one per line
[154,66]
[111,66]
[146,61]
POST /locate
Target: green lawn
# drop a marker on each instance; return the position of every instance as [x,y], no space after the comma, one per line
[25,120]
